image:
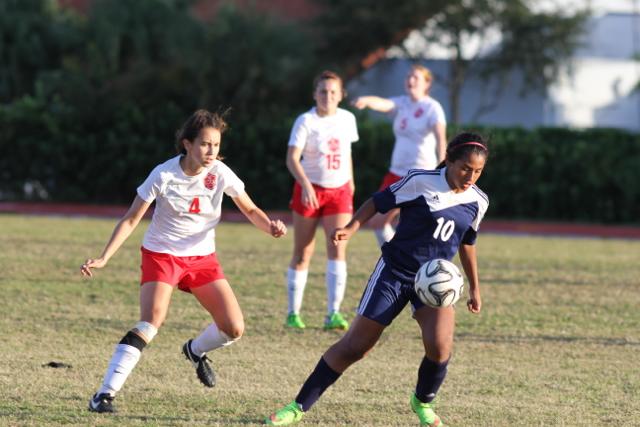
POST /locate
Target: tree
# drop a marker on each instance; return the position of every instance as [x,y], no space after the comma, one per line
[536,43]
[352,35]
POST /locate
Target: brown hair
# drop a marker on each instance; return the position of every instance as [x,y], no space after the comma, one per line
[329,75]
[195,123]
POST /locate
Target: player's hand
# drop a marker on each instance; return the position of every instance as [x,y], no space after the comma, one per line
[85,269]
[359,103]
[277,228]
[309,197]
[352,187]
[340,234]
[474,303]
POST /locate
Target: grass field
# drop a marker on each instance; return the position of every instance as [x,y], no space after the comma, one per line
[558,341]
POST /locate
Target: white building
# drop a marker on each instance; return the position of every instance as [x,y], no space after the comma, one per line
[598,88]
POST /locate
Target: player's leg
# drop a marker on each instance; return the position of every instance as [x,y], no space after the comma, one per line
[154,303]
[227,327]
[304,232]
[437,325]
[336,271]
[353,346]
[384,225]
[382,301]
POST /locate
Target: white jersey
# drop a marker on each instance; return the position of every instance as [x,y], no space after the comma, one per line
[413,127]
[187,207]
[326,146]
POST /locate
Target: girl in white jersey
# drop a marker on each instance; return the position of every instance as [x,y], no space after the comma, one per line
[319,158]
[419,126]
[178,251]
[427,198]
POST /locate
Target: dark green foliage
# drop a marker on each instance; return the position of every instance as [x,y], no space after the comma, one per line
[89,105]
[560,174]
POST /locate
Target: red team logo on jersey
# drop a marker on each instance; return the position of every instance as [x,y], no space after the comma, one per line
[419,112]
[210,181]
[334,144]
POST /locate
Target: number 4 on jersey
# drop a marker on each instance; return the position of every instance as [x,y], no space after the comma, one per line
[194,207]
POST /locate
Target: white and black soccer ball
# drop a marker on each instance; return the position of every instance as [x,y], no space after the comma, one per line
[439,283]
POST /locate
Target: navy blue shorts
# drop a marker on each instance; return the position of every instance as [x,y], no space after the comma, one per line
[386,296]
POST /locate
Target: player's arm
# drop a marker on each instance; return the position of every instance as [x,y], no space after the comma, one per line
[440,131]
[121,232]
[258,217]
[362,215]
[470,265]
[375,103]
[295,167]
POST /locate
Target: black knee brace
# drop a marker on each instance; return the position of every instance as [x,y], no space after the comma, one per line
[134,340]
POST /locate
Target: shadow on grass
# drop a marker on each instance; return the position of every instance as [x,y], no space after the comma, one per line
[548,338]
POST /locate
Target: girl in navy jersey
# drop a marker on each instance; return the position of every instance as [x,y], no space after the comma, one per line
[178,251]
[319,159]
[419,127]
[440,213]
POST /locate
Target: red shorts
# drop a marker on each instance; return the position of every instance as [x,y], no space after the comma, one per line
[332,201]
[389,179]
[185,272]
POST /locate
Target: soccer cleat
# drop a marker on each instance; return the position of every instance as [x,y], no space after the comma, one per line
[203,369]
[295,321]
[335,321]
[290,414]
[102,402]
[425,413]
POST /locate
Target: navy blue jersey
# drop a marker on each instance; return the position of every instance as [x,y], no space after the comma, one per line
[434,220]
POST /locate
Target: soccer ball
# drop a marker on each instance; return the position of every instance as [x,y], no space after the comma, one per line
[439,283]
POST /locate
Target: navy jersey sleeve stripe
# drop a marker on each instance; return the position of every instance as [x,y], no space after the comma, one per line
[481,193]
[412,173]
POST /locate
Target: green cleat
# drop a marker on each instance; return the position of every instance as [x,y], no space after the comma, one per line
[425,413]
[290,414]
[335,321]
[295,321]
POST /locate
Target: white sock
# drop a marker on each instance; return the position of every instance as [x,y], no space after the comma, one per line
[384,234]
[296,282]
[124,359]
[336,280]
[210,339]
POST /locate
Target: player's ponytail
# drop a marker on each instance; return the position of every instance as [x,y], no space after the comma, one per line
[464,144]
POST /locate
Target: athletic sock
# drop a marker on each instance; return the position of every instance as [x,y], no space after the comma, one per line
[384,234]
[320,379]
[296,282]
[336,280]
[124,359]
[210,339]
[430,377]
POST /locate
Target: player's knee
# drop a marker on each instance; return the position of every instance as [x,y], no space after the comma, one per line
[141,335]
[234,330]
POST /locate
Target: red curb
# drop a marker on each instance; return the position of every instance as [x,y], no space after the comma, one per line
[491,226]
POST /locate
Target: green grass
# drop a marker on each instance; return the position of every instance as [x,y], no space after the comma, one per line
[557,343]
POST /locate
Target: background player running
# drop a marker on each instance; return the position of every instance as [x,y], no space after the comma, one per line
[440,212]
[419,127]
[319,158]
[179,251]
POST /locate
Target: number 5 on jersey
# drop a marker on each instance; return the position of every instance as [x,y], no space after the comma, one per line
[194,207]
